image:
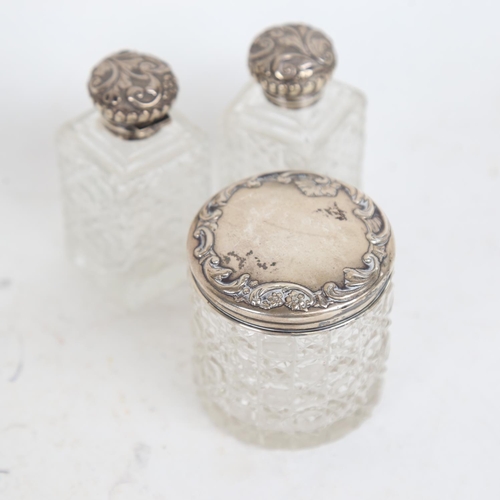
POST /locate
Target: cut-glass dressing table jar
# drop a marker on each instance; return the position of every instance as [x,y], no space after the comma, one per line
[133,174]
[291,275]
[293,115]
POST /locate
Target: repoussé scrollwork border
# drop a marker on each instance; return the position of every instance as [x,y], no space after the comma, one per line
[270,295]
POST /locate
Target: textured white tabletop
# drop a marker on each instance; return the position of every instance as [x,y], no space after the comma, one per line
[97,402]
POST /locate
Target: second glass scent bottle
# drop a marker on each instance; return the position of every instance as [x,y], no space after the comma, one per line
[294,116]
[132,175]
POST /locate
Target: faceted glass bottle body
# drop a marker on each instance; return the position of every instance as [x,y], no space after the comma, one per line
[326,137]
[290,391]
[128,204]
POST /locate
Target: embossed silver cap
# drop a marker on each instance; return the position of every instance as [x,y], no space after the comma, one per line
[134,93]
[292,63]
[291,252]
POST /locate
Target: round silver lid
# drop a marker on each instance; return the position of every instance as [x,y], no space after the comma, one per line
[134,93]
[292,63]
[291,252]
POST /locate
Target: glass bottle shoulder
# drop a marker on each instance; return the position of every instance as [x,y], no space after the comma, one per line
[251,105]
[88,133]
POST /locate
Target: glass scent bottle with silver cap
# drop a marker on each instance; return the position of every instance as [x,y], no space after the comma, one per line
[291,276]
[293,115]
[133,173]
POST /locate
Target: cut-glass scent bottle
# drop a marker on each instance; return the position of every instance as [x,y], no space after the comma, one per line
[291,275]
[133,173]
[293,115]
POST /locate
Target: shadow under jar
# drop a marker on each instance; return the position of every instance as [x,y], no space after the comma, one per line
[292,292]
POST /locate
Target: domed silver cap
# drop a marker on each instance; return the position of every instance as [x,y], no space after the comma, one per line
[134,93]
[292,63]
[291,252]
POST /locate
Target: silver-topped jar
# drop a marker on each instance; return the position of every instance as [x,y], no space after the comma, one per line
[292,291]
[133,172]
[293,115]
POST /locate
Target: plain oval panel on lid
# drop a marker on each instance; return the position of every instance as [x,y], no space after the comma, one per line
[275,233]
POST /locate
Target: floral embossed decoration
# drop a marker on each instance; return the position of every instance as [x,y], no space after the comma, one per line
[295,297]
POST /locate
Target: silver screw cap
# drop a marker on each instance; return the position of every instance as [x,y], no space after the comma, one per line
[134,93]
[292,63]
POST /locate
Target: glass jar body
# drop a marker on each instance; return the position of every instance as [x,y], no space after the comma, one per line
[127,204]
[327,137]
[290,391]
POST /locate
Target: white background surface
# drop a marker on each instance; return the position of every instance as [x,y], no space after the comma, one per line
[98,403]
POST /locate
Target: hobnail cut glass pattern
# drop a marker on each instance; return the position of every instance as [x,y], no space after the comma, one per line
[128,204]
[326,138]
[290,391]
